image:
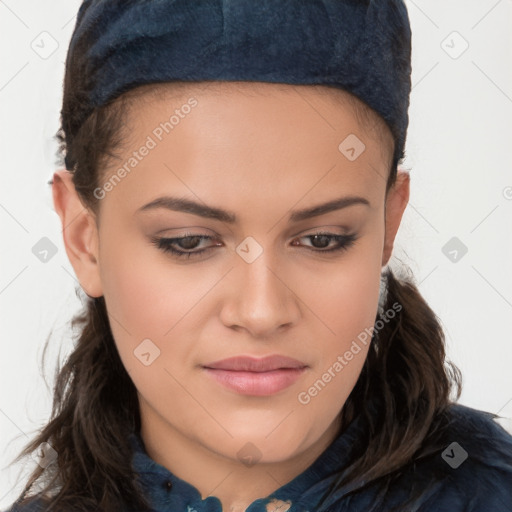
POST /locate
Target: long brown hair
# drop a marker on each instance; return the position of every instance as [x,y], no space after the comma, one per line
[95,404]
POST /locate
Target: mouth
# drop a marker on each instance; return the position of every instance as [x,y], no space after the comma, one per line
[256,377]
[256,383]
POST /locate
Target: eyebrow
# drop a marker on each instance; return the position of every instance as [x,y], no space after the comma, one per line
[180,204]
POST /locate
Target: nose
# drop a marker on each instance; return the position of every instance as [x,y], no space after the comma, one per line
[260,298]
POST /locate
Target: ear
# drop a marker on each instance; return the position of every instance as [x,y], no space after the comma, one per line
[79,232]
[398,197]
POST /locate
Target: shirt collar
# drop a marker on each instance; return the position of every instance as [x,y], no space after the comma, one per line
[167,492]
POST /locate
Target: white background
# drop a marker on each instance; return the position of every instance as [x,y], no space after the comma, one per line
[459,150]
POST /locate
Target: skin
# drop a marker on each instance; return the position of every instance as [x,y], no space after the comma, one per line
[259,151]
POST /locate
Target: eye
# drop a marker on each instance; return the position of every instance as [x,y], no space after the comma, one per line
[320,240]
[183,247]
[189,241]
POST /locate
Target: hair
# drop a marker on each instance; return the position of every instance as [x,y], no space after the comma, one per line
[95,403]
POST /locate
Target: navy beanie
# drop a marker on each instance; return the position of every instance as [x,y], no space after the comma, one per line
[361,46]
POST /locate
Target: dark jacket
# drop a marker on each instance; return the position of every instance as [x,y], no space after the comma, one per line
[471,473]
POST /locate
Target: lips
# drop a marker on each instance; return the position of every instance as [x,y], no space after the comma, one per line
[256,377]
[251,364]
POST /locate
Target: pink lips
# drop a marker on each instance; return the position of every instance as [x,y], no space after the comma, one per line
[258,377]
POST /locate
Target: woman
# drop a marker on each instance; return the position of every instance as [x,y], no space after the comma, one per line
[231,197]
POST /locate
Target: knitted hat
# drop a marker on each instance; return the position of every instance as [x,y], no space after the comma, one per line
[360,46]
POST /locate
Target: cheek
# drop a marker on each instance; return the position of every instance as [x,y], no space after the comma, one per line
[345,302]
[145,297]
[344,295]
[134,290]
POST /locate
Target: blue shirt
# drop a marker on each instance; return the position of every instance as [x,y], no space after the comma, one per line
[472,473]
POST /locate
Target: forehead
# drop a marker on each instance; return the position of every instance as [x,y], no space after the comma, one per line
[263,139]
[167,91]
[327,94]
[329,103]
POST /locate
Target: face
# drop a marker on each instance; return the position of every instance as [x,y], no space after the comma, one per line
[252,278]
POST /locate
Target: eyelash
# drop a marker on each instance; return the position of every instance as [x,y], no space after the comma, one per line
[165,244]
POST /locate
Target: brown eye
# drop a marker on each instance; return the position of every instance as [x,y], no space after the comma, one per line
[188,243]
[321,240]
